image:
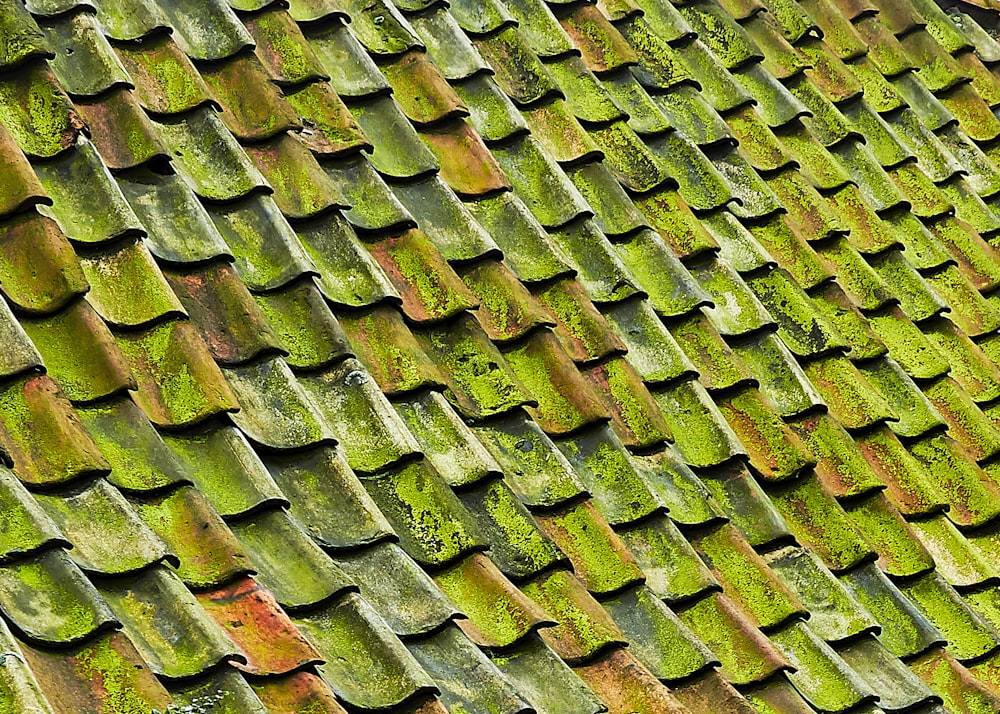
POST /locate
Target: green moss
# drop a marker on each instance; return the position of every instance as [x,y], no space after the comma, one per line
[818,521]
[487,604]
[598,556]
[742,661]
[967,634]
[478,369]
[557,594]
[518,533]
[822,676]
[116,676]
[174,80]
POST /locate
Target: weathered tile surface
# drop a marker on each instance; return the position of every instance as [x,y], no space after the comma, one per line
[508,356]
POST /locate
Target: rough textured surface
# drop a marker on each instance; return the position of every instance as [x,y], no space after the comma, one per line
[499,357]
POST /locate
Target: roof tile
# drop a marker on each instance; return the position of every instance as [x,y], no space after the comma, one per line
[106,667]
[153,607]
[968,635]
[300,690]
[59,178]
[545,681]
[953,682]
[565,401]
[390,351]
[281,47]
[615,485]
[835,614]
[599,557]
[168,394]
[527,248]
[746,654]
[220,461]
[267,251]
[35,411]
[455,663]
[108,536]
[534,469]
[127,288]
[179,229]
[499,614]
[747,579]
[517,545]
[116,116]
[824,528]
[329,128]
[584,627]
[166,82]
[301,188]
[626,685]
[287,562]
[448,223]
[237,608]
[327,500]
[445,530]
[674,571]
[447,441]
[208,156]
[176,517]
[409,602]
[50,601]
[28,528]
[37,112]
[365,665]
[774,450]
[822,677]
[371,433]
[323,342]
[561,134]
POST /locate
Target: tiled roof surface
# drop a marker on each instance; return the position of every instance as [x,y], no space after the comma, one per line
[499,357]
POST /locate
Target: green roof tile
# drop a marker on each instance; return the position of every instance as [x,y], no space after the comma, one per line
[316,284]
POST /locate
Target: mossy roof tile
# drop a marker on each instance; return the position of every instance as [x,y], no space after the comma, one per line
[109,537]
[209,457]
[410,602]
[282,48]
[326,498]
[365,664]
[218,302]
[499,614]
[648,181]
[329,128]
[275,650]
[152,607]
[455,663]
[106,668]
[34,411]
[545,681]
[447,44]
[252,107]
[299,690]
[60,177]
[968,635]
[51,583]
[560,133]
[289,563]
[441,530]
[739,646]
[565,402]
[83,59]
[176,517]
[171,396]
[28,527]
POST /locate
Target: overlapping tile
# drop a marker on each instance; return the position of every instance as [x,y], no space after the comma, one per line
[486,340]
